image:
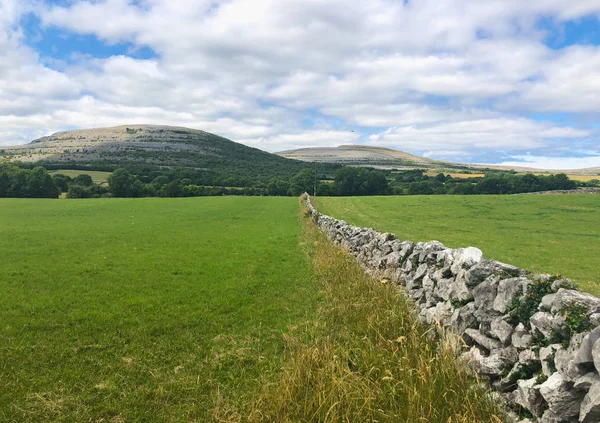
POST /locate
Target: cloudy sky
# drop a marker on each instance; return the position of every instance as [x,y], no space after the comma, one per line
[479,81]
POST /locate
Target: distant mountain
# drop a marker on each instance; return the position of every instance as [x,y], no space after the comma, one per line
[361,155]
[387,158]
[151,145]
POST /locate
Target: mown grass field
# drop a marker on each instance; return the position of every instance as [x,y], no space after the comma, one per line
[98,177]
[146,310]
[541,233]
[213,309]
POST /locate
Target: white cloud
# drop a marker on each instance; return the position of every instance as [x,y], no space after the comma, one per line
[446,76]
[555,163]
[495,134]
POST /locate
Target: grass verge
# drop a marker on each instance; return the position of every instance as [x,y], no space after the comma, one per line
[366,358]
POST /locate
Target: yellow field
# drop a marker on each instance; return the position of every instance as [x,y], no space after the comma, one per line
[97,176]
[457,175]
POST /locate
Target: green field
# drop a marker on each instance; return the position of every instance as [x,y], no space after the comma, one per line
[146,310]
[541,233]
[97,176]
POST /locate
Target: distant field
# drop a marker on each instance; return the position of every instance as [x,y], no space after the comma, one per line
[146,310]
[584,178]
[542,233]
[457,175]
[97,176]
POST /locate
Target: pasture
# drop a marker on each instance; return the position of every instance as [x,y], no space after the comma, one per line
[222,309]
[153,310]
[541,233]
[98,177]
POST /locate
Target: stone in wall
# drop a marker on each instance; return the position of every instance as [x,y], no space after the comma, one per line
[520,329]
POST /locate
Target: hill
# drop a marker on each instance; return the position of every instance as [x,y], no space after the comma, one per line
[387,158]
[155,146]
[361,155]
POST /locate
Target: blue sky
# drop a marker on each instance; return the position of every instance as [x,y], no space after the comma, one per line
[495,81]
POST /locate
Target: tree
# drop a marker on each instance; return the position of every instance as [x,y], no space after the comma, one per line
[120,183]
[174,188]
[4,184]
[303,181]
[84,180]
[78,191]
[40,184]
[62,181]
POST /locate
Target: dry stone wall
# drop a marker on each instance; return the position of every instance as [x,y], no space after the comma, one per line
[534,338]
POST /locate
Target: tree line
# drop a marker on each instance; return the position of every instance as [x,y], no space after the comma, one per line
[37,182]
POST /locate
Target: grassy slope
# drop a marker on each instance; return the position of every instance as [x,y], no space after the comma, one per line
[542,233]
[147,309]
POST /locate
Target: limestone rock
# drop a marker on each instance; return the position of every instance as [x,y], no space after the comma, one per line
[529,397]
[463,318]
[547,356]
[596,355]
[547,301]
[494,364]
[542,321]
[590,407]
[584,354]
[464,258]
[566,297]
[501,330]
[484,294]
[507,290]
[585,382]
[479,338]
[485,268]
[521,338]
[564,401]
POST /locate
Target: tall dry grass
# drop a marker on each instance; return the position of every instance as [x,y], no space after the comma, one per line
[366,358]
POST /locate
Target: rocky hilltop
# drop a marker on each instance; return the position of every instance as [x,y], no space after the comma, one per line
[361,155]
[141,144]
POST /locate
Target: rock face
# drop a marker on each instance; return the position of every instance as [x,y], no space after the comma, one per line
[532,357]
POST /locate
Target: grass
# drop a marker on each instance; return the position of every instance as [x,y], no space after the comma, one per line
[218,309]
[366,358]
[97,176]
[541,233]
[146,310]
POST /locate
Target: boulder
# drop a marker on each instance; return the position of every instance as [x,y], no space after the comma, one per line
[493,365]
[484,294]
[562,400]
[583,355]
[542,321]
[521,338]
[392,260]
[480,339]
[528,356]
[547,301]
[440,314]
[590,407]
[596,355]
[562,283]
[565,297]
[463,318]
[465,258]
[485,268]
[501,330]
[565,360]
[428,284]
[585,382]
[528,396]
[507,290]
[547,356]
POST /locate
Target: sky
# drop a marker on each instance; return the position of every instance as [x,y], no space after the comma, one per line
[473,81]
